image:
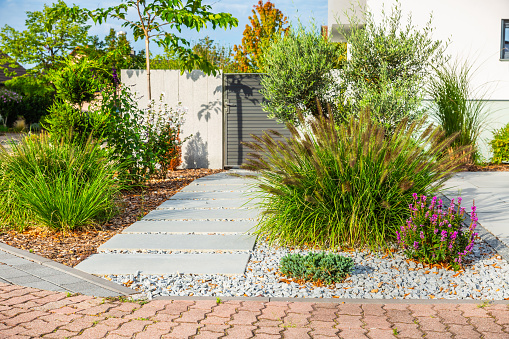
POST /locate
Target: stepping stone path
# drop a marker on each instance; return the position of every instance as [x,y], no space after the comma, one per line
[203,229]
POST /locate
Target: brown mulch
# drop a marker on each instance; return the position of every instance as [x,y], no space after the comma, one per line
[487,168]
[70,249]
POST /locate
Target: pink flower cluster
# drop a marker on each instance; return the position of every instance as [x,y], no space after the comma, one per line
[435,233]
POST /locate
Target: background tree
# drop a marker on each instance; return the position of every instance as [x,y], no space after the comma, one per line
[218,55]
[174,14]
[299,75]
[114,52]
[267,24]
[49,37]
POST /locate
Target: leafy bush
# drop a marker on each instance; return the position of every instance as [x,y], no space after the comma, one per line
[500,145]
[328,268]
[388,67]
[37,97]
[30,85]
[78,80]
[147,141]
[435,235]
[298,68]
[65,122]
[346,185]
[34,107]
[9,104]
[58,185]
[453,106]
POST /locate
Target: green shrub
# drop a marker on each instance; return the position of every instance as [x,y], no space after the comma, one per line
[37,97]
[58,185]
[9,105]
[348,184]
[78,80]
[328,268]
[31,85]
[500,145]
[146,141]
[452,105]
[298,74]
[434,234]
[65,122]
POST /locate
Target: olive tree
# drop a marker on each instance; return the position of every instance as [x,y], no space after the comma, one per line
[389,65]
[299,75]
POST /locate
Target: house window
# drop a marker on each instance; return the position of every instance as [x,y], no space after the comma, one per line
[504,50]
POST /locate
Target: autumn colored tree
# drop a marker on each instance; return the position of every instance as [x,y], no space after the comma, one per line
[267,24]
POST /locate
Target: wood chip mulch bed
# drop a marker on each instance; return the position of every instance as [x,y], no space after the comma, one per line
[487,168]
[70,249]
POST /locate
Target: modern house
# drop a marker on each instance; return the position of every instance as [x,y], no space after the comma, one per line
[20,70]
[478,32]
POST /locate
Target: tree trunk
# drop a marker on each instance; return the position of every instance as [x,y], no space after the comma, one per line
[147,57]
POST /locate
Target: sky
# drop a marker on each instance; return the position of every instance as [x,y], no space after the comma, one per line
[13,13]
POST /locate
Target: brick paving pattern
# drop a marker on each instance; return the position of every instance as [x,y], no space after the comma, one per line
[31,313]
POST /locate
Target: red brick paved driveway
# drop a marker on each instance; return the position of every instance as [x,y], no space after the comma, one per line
[27,313]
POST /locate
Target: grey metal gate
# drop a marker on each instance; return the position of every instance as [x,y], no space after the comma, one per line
[244,116]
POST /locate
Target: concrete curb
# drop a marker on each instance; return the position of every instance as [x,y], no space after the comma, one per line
[341,300]
[108,285]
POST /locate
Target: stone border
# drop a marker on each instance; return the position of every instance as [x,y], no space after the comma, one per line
[103,283]
[342,300]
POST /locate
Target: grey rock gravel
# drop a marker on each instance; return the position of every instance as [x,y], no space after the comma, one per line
[374,277]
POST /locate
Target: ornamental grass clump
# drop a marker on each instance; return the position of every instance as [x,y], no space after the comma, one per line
[347,185]
[57,185]
[436,234]
[318,267]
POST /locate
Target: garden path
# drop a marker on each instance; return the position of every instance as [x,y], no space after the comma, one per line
[490,192]
[203,229]
[30,270]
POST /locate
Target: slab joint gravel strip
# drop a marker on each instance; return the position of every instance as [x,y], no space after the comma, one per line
[99,282]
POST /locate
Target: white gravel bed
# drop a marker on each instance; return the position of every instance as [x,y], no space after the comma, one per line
[486,277]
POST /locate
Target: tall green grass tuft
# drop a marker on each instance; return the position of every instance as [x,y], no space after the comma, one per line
[347,185]
[457,107]
[56,184]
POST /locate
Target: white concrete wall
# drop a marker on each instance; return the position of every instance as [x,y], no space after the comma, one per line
[473,28]
[203,96]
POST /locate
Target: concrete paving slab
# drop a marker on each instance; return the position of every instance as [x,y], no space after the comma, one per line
[62,279]
[234,195]
[178,242]
[499,229]
[15,261]
[42,271]
[100,292]
[203,204]
[4,255]
[7,272]
[77,287]
[213,214]
[45,285]
[217,188]
[24,280]
[186,227]
[165,263]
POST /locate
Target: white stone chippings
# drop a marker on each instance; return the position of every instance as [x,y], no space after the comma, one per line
[374,277]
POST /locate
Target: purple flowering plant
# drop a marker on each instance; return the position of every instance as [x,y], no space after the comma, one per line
[435,233]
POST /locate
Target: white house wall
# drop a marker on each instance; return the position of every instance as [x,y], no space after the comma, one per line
[473,28]
[203,97]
